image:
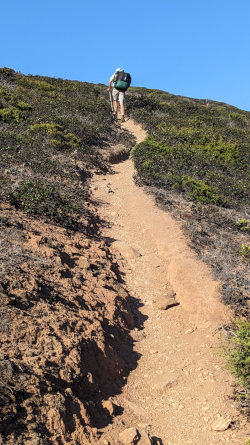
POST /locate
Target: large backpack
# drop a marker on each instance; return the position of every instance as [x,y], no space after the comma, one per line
[122,80]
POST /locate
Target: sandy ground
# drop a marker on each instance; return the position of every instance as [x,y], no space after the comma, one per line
[180,391]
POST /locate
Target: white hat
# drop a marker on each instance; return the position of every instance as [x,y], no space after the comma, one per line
[117,69]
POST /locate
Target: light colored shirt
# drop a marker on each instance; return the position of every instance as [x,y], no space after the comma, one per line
[112,78]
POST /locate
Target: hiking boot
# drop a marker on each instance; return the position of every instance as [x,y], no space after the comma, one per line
[115,115]
[123,118]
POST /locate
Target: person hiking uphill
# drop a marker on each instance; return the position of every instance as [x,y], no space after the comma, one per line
[121,82]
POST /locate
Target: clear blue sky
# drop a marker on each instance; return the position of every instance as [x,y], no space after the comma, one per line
[195,48]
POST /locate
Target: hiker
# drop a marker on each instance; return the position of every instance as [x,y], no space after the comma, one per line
[121,81]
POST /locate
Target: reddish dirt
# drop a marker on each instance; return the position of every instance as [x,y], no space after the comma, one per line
[64,322]
[180,390]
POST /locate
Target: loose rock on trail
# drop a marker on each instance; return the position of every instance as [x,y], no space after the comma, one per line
[179,392]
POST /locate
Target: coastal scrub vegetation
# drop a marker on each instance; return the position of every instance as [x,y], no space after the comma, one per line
[237,352]
[195,161]
[202,151]
[61,295]
[52,136]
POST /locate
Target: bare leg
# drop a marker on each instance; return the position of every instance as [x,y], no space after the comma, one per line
[122,108]
[115,105]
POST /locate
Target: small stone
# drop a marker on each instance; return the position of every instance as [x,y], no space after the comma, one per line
[221,424]
[163,303]
[190,331]
[164,386]
[108,405]
[138,410]
[129,436]
[145,438]
[125,251]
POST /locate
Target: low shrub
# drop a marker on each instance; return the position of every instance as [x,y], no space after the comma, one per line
[238,119]
[41,85]
[199,191]
[245,250]
[57,137]
[53,130]
[42,199]
[23,105]
[201,144]
[10,114]
[167,166]
[244,225]
[238,352]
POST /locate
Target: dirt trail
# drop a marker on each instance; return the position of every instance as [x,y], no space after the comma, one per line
[179,391]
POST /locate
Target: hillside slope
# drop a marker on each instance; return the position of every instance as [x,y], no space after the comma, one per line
[66,314]
[196,162]
[180,391]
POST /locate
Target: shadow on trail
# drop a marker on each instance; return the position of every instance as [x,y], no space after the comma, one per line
[109,368]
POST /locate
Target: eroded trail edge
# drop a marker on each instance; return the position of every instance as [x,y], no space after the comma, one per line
[180,391]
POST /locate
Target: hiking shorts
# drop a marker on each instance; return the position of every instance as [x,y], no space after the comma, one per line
[118,95]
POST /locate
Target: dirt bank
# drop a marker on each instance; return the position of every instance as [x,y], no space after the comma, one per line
[65,322]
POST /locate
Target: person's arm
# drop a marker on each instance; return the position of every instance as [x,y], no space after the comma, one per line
[110,82]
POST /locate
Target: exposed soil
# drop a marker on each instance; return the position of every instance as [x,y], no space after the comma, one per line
[65,318]
[102,332]
[180,391]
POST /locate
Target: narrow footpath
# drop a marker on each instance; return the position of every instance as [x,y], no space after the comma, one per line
[180,391]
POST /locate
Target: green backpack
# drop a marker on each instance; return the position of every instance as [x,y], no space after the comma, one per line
[122,80]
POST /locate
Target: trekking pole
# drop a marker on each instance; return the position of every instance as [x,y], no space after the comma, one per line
[111,101]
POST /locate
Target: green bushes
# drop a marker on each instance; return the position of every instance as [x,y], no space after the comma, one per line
[57,137]
[11,108]
[238,120]
[238,352]
[202,145]
[10,114]
[42,199]
[244,224]
[51,139]
[167,166]
[40,85]
[245,250]
[199,191]
[23,105]
[7,71]
[209,169]
[221,151]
